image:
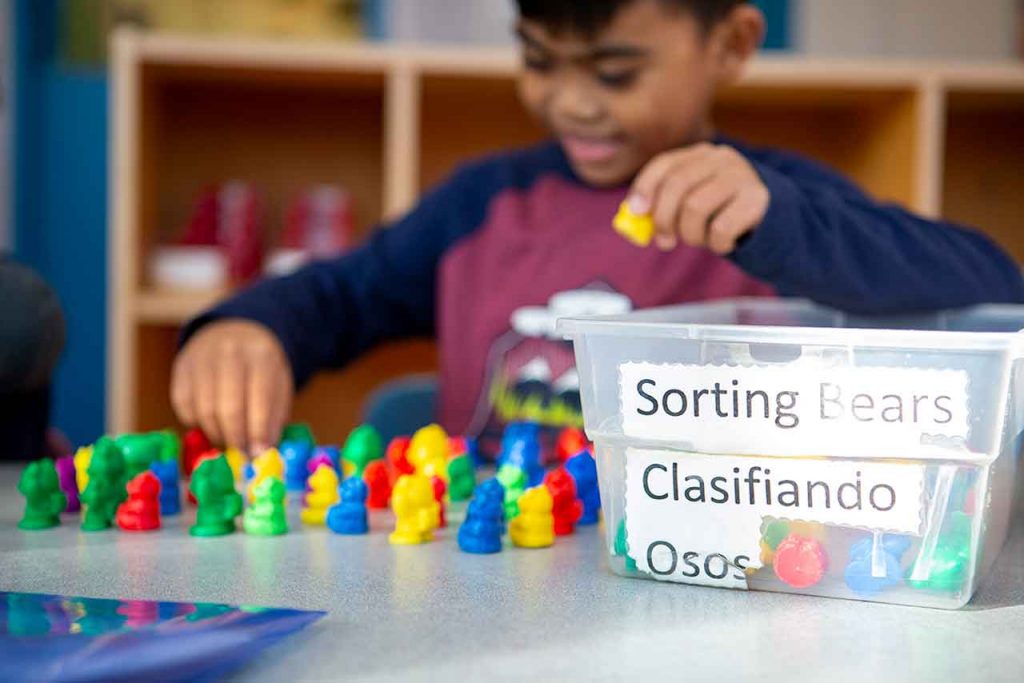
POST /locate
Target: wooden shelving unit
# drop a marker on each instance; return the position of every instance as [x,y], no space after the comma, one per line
[387,122]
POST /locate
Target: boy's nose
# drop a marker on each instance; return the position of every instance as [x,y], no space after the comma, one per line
[575,106]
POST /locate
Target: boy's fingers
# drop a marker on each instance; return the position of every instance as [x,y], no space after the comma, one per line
[205,389]
[735,220]
[231,399]
[700,207]
[643,194]
[181,392]
[260,393]
[282,403]
[672,195]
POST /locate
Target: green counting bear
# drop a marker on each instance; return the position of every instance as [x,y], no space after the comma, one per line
[169,445]
[461,478]
[139,451]
[106,488]
[362,447]
[514,480]
[298,431]
[951,557]
[620,547]
[44,501]
[267,515]
[213,485]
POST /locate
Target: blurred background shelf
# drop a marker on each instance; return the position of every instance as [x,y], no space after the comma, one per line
[173,307]
[389,122]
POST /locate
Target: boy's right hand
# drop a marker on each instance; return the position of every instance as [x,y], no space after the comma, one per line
[233,380]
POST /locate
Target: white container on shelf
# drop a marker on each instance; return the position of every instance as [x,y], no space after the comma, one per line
[189,267]
[780,445]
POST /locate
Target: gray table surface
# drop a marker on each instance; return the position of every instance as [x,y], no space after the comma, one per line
[433,613]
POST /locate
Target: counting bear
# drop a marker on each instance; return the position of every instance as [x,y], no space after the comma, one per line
[535,525]
[349,516]
[416,511]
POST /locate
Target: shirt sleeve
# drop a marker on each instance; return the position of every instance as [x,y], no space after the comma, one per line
[823,239]
[329,312]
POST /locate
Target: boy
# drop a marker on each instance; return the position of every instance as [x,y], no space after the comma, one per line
[626,88]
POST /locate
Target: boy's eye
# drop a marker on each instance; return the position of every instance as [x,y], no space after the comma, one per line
[616,79]
[537,63]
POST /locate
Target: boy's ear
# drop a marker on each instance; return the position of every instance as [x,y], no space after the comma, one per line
[735,39]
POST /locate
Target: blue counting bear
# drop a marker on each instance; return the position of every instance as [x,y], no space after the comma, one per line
[583,469]
[170,493]
[473,451]
[858,574]
[295,455]
[349,516]
[520,446]
[492,491]
[481,533]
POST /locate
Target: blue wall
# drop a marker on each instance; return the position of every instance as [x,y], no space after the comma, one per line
[780,24]
[60,205]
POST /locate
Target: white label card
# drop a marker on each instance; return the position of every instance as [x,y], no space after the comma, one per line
[797,409]
[696,518]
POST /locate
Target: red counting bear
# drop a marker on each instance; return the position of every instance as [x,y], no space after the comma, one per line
[395,454]
[378,483]
[570,442]
[800,561]
[567,508]
[194,445]
[141,512]
[440,488]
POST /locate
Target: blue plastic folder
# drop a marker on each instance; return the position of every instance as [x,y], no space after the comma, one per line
[61,638]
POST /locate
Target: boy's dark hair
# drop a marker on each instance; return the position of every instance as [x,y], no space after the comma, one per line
[589,16]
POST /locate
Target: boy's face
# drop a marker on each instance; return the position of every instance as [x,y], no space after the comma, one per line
[641,85]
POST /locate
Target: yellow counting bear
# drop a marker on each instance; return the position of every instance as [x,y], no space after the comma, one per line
[534,527]
[416,510]
[428,451]
[269,463]
[236,460]
[323,484]
[637,228]
[83,456]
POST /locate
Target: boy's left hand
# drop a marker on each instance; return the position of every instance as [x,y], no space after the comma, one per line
[705,195]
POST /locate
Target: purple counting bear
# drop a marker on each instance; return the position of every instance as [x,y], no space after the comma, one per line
[324,454]
[583,469]
[318,460]
[68,484]
[349,516]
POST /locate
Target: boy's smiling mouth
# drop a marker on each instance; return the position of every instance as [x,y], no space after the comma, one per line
[591,150]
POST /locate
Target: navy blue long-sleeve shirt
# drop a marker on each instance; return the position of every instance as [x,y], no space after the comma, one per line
[511,230]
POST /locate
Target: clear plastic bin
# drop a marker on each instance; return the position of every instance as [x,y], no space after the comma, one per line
[780,445]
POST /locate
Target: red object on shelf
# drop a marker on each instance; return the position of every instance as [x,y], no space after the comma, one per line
[141,512]
[318,224]
[229,217]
